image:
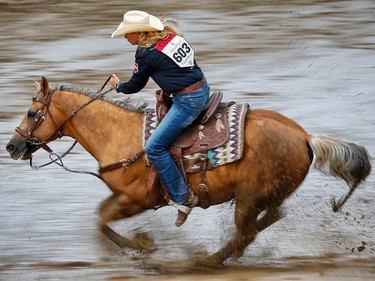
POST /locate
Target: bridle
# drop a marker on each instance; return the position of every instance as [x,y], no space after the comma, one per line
[39,118]
[42,114]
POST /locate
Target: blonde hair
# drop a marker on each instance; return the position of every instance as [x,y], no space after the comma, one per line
[148,38]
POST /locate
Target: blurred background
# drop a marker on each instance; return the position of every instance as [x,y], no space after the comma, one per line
[312,61]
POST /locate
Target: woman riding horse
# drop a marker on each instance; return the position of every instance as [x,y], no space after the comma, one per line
[277,154]
[168,59]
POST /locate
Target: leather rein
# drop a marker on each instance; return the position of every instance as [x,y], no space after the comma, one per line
[41,116]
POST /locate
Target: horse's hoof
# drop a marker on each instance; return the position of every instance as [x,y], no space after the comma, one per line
[144,242]
[216,259]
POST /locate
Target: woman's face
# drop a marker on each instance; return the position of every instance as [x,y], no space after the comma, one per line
[132,37]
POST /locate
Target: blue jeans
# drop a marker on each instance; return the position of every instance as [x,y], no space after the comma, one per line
[185,109]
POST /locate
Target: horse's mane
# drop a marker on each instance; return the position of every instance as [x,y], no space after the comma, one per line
[121,101]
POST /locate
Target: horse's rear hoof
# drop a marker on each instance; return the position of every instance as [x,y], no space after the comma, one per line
[143,242]
[217,259]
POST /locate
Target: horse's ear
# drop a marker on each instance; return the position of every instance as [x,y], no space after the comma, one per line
[37,86]
[44,86]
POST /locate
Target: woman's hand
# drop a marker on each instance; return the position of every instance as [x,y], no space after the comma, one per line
[114,80]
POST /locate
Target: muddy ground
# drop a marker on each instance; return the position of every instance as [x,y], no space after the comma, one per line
[310,60]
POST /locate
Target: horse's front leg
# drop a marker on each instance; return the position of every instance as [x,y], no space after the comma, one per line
[114,208]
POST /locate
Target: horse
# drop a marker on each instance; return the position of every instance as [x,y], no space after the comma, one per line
[277,156]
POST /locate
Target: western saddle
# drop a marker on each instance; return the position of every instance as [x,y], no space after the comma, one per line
[189,151]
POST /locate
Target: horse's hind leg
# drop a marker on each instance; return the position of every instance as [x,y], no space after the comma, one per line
[113,209]
[271,216]
[246,223]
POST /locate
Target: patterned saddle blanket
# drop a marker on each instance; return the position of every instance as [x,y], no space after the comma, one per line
[221,137]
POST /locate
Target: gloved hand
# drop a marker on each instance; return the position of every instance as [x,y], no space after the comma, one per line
[114,80]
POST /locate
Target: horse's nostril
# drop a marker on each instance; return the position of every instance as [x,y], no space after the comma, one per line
[10,147]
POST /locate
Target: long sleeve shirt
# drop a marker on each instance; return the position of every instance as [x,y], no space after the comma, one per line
[150,62]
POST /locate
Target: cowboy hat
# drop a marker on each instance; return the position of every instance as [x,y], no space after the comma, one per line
[138,21]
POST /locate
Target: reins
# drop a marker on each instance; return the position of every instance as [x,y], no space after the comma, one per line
[58,161]
[74,112]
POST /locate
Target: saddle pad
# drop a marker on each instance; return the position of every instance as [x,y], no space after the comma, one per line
[230,151]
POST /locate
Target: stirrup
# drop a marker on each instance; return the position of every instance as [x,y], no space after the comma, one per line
[181,208]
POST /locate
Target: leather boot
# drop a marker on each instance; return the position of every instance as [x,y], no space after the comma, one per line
[185,209]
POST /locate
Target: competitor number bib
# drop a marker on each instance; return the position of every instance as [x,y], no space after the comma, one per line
[178,49]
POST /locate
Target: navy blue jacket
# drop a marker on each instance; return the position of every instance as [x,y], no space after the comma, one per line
[150,62]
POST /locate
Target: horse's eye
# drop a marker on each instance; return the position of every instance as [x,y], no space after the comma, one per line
[31,114]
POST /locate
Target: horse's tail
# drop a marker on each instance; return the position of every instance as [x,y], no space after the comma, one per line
[341,159]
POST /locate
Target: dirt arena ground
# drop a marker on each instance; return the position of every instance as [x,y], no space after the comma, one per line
[312,61]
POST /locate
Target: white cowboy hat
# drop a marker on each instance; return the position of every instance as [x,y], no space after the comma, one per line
[138,21]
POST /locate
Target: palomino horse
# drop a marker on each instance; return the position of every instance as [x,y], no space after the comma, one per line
[276,159]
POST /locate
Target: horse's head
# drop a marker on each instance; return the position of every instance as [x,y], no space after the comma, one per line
[37,128]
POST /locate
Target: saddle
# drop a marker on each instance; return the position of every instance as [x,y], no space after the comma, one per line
[210,130]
